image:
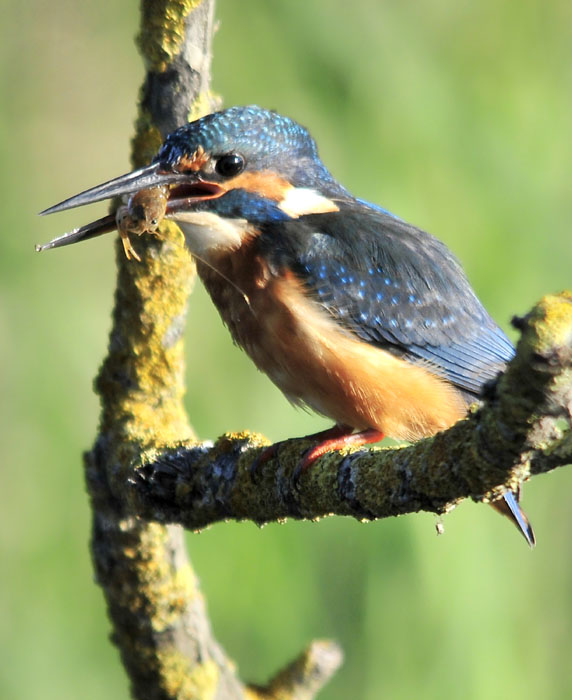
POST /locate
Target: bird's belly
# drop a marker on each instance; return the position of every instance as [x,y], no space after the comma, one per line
[359,385]
[316,362]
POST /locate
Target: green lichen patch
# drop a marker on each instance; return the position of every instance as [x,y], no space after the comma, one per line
[163,31]
[185,682]
[147,140]
[151,303]
[551,320]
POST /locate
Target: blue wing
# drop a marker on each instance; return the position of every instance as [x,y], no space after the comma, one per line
[396,287]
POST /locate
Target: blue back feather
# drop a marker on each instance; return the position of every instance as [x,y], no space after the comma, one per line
[394,286]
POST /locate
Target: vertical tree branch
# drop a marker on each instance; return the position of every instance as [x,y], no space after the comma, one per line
[157,611]
[156,608]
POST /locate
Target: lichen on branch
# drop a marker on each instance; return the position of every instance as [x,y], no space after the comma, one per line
[522,428]
[158,613]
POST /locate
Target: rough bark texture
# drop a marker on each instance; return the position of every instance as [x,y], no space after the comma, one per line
[157,611]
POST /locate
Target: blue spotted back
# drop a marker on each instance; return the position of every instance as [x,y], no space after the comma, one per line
[394,286]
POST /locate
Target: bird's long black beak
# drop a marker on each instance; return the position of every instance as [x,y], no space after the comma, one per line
[144,178]
[91,230]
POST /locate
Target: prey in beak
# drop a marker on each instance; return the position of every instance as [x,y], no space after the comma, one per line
[153,194]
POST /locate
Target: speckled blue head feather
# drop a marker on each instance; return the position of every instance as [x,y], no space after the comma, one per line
[260,132]
[267,140]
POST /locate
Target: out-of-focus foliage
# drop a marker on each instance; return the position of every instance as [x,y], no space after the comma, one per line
[455,115]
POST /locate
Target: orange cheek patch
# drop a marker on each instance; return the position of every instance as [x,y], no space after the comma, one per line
[265,183]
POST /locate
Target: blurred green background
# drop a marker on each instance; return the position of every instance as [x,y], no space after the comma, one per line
[456,115]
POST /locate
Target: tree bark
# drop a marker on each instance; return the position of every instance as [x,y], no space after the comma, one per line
[158,613]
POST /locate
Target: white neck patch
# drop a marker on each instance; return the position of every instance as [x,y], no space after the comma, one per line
[302,200]
[206,232]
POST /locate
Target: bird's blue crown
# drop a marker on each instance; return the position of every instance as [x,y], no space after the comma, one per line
[267,140]
[259,132]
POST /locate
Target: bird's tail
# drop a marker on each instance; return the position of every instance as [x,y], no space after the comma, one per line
[509,506]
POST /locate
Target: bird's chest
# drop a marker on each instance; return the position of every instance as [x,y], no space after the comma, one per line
[287,335]
[244,289]
[254,305]
[314,361]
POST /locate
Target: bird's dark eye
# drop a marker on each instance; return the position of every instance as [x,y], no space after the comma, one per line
[230,165]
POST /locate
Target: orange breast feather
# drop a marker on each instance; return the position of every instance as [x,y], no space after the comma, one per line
[316,362]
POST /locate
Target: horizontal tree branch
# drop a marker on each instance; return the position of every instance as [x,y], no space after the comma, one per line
[522,428]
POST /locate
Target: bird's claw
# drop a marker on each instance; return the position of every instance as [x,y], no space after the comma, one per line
[272,451]
[329,440]
[267,454]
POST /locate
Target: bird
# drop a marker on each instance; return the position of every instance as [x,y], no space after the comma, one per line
[350,310]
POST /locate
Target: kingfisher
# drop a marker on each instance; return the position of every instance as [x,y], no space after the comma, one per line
[350,310]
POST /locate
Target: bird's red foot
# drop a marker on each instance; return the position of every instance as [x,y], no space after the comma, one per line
[329,440]
[335,442]
[323,436]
